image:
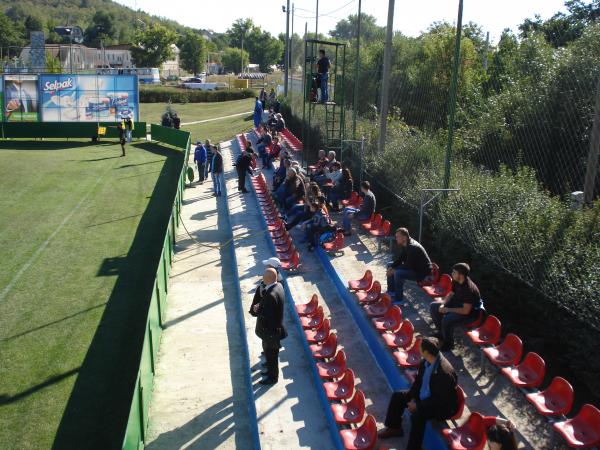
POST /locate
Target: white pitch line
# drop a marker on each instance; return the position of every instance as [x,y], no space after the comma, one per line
[42,247]
[216,118]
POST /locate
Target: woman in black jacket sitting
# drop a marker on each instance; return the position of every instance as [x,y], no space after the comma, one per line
[342,190]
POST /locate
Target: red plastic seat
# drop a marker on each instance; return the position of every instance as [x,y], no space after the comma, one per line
[288,255]
[309,308]
[583,430]
[461,403]
[319,334]
[313,321]
[529,374]
[402,338]
[277,225]
[374,223]
[441,288]
[410,357]
[477,322]
[384,230]
[361,438]
[488,333]
[292,264]
[286,246]
[325,350]
[363,284]
[354,198]
[334,368]
[336,245]
[351,412]
[508,353]
[469,436]
[432,278]
[391,321]
[342,389]
[379,308]
[370,296]
[555,400]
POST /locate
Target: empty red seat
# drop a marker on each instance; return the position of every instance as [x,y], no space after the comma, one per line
[326,349]
[477,322]
[488,333]
[410,357]
[508,353]
[555,400]
[583,430]
[391,321]
[308,309]
[469,436]
[529,374]
[441,288]
[286,246]
[361,438]
[292,264]
[342,389]
[379,308]
[461,403]
[277,225]
[362,284]
[287,255]
[354,199]
[319,334]
[382,231]
[432,278]
[374,223]
[351,412]
[334,368]
[370,296]
[313,321]
[336,245]
[402,338]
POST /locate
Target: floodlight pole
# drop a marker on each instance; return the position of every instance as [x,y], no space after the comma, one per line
[592,162]
[317,22]
[387,60]
[286,61]
[356,71]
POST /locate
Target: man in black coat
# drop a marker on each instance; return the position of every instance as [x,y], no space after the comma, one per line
[432,396]
[243,165]
[268,307]
[412,263]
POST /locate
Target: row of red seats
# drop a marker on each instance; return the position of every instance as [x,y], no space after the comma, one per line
[358,430]
[286,252]
[241,138]
[554,401]
[376,226]
[292,141]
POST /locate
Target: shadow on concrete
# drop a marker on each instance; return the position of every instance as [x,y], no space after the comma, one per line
[96,414]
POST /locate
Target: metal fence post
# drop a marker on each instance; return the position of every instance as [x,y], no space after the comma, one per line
[362,157]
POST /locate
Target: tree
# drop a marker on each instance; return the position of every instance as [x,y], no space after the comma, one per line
[239,29]
[10,35]
[192,52]
[345,29]
[231,58]
[263,48]
[152,46]
[33,23]
[102,28]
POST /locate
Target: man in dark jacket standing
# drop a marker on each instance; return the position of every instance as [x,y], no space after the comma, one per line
[432,396]
[268,307]
[412,263]
[200,160]
[216,169]
[243,165]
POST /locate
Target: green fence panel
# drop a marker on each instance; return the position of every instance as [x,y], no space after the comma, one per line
[171,136]
[133,434]
[31,130]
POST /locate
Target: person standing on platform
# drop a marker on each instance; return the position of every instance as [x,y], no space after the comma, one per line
[216,170]
[200,160]
[268,307]
[129,127]
[243,165]
[122,140]
[258,110]
[323,66]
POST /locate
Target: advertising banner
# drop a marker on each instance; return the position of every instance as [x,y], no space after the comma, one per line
[88,98]
[21,98]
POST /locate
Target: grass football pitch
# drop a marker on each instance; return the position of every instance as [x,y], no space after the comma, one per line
[81,230]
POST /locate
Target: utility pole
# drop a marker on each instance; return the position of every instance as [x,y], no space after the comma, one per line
[317,22]
[242,54]
[452,101]
[592,163]
[485,52]
[356,71]
[387,60]
[286,62]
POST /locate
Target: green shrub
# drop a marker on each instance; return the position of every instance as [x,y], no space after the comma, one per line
[178,95]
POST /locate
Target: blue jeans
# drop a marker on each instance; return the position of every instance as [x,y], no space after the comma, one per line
[324,87]
[264,156]
[349,214]
[280,194]
[217,180]
[447,322]
[395,283]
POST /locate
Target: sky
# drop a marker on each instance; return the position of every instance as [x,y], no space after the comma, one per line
[411,18]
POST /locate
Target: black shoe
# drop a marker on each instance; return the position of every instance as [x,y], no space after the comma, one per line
[245,191]
[215,194]
[446,348]
[268,381]
[265,373]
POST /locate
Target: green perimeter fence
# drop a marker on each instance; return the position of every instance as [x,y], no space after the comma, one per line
[137,423]
[71,130]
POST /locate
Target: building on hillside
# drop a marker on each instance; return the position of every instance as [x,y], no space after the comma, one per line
[171,66]
[79,57]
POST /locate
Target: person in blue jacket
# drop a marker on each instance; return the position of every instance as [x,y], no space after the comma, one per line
[258,110]
[200,160]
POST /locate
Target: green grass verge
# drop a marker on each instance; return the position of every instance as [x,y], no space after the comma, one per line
[81,232]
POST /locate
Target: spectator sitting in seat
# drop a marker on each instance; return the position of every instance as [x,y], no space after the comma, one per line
[432,396]
[292,190]
[320,176]
[412,263]
[317,224]
[342,190]
[302,212]
[280,124]
[321,161]
[363,213]
[261,146]
[273,153]
[500,433]
[272,123]
[461,305]
[279,176]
